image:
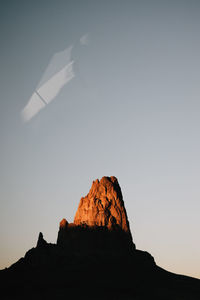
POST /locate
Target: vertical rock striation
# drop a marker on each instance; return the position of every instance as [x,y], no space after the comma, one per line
[103,206]
[100,222]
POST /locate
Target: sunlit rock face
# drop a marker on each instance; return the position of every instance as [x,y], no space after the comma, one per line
[103,206]
[100,223]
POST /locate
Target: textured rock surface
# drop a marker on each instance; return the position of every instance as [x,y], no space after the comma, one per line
[103,206]
[100,224]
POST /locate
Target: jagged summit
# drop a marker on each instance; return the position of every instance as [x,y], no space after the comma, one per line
[100,222]
[103,206]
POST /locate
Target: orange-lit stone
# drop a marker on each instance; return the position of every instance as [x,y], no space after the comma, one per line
[63,223]
[103,206]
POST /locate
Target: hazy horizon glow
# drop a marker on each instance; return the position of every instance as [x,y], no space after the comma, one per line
[132,110]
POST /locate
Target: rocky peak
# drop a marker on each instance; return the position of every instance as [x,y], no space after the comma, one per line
[63,223]
[41,241]
[100,224]
[103,206]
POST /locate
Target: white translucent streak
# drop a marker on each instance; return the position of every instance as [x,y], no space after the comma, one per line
[47,92]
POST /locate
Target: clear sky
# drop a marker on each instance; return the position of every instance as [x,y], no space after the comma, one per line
[100,88]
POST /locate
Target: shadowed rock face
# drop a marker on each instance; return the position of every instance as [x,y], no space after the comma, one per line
[100,224]
[41,242]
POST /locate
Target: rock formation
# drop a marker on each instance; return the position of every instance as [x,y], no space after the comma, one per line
[41,242]
[100,224]
[103,206]
[94,258]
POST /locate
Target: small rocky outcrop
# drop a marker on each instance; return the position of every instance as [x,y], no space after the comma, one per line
[41,241]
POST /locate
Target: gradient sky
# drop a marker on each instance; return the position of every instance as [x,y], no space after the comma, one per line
[132,110]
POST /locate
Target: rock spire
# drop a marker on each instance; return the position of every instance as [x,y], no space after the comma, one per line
[100,223]
[103,206]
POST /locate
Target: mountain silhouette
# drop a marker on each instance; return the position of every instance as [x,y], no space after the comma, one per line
[94,258]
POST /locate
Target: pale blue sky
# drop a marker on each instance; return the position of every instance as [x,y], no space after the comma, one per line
[132,110]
